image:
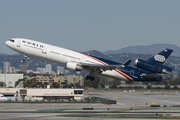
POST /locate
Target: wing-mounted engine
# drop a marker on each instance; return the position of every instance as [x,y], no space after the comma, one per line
[73,66]
[157,68]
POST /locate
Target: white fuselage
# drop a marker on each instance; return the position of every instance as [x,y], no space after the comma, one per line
[2,98]
[57,55]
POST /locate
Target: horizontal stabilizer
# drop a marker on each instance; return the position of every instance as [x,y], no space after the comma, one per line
[167,68]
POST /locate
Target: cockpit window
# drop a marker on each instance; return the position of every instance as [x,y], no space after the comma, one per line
[11,40]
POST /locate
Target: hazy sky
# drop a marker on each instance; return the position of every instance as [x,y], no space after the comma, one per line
[90,24]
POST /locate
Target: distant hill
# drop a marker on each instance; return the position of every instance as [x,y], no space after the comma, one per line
[96,53]
[2,53]
[142,49]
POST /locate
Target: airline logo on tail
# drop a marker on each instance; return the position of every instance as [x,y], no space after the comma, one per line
[159,58]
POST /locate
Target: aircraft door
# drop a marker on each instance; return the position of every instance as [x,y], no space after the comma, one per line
[83,59]
[44,50]
[44,53]
[18,43]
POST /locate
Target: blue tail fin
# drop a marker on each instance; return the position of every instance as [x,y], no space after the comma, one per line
[160,58]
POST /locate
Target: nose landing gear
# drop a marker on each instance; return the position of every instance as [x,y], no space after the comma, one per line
[24,61]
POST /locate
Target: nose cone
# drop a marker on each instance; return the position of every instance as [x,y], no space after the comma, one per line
[6,43]
[9,44]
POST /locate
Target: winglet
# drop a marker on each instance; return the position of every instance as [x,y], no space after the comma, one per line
[127,63]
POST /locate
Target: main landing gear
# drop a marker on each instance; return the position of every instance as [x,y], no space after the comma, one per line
[25,57]
[89,77]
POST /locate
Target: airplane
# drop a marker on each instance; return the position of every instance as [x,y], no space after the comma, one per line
[149,70]
[2,98]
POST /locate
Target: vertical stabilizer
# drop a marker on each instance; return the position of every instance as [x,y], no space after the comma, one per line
[160,58]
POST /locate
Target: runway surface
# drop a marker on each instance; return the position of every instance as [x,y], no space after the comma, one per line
[129,106]
[140,98]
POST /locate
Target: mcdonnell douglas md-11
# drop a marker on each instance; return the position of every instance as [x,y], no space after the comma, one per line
[149,70]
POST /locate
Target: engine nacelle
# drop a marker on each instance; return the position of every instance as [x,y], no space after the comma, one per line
[73,66]
[152,68]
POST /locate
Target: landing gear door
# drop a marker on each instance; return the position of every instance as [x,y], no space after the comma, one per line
[18,43]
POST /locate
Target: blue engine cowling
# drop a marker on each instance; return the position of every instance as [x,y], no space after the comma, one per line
[152,68]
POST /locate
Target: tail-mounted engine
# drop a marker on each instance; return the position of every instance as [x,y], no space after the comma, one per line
[157,68]
[73,66]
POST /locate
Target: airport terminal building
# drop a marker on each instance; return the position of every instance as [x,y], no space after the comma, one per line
[43,94]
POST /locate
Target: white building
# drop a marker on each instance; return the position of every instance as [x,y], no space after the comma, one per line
[67,71]
[41,70]
[60,70]
[43,94]
[29,71]
[6,67]
[10,79]
[12,70]
[48,68]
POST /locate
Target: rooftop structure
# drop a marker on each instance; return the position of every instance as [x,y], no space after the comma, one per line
[43,94]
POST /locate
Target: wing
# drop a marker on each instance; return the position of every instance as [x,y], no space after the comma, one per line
[100,67]
[97,67]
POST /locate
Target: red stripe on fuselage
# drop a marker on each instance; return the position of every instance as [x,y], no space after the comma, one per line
[127,77]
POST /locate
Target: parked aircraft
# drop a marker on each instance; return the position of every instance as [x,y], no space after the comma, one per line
[2,98]
[149,70]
